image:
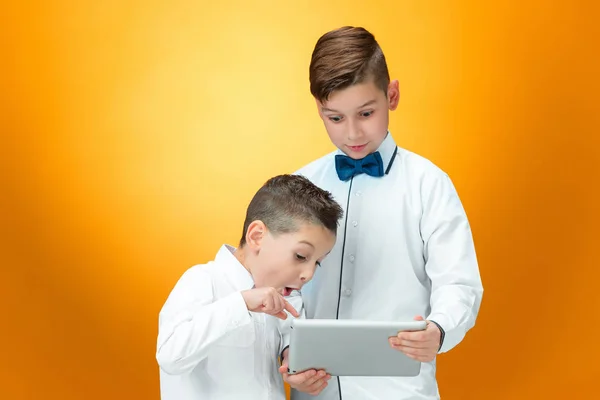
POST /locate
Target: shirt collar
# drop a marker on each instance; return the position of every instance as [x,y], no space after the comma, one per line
[235,271]
[387,149]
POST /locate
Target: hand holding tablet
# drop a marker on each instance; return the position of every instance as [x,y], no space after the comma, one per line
[310,381]
[421,345]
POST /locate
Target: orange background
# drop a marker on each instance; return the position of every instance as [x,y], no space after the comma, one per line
[135,133]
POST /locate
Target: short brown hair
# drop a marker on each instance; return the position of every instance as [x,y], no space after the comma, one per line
[345,57]
[285,201]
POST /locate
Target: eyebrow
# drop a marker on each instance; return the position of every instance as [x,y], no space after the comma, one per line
[368,103]
[308,243]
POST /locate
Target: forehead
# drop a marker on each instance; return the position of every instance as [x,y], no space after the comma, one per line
[307,235]
[353,97]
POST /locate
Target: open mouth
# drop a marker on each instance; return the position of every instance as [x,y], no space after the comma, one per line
[287,291]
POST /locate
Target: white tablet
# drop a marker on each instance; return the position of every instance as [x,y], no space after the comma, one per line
[344,347]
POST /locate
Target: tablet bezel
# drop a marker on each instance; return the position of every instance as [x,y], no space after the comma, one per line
[345,347]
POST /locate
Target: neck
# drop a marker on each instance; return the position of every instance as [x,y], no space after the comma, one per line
[240,255]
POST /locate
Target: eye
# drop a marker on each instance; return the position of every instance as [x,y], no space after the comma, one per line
[366,114]
[318,263]
[300,257]
[335,118]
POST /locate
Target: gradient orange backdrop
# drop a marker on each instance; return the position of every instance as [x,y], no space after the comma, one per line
[135,133]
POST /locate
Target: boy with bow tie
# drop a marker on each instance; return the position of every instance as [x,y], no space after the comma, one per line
[404,248]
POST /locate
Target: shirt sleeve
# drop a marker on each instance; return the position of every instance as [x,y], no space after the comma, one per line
[192,321]
[284,325]
[450,261]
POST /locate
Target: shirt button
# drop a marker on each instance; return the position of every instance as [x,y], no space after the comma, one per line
[354,223]
[348,292]
[359,193]
[351,258]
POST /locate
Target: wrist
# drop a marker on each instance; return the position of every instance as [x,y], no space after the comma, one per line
[442,333]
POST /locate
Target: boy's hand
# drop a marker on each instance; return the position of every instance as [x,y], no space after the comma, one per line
[421,345]
[311,381]
[267,300]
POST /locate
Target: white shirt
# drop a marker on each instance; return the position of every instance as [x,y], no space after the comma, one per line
[404,248]
[210,346]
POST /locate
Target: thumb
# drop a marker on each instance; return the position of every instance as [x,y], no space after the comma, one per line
[284,368]
[419,318]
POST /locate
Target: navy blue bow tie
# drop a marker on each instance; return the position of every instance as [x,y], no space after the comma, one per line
[347,167]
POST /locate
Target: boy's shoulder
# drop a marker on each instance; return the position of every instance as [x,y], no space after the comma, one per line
[198,273]
[201,269]
[316,167]
[208,272]
[417,165]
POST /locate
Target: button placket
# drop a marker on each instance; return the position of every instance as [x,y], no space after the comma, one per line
[350,249]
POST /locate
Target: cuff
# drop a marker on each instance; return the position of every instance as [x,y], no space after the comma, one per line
[442,331]
[281,355]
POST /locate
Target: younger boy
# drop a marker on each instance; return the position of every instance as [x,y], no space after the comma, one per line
[218,337]
[405,248]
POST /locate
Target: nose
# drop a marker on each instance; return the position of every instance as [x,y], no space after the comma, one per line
[306,275]
[353,130]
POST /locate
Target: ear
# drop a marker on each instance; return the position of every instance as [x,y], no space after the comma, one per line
[255,234]
[393,94]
